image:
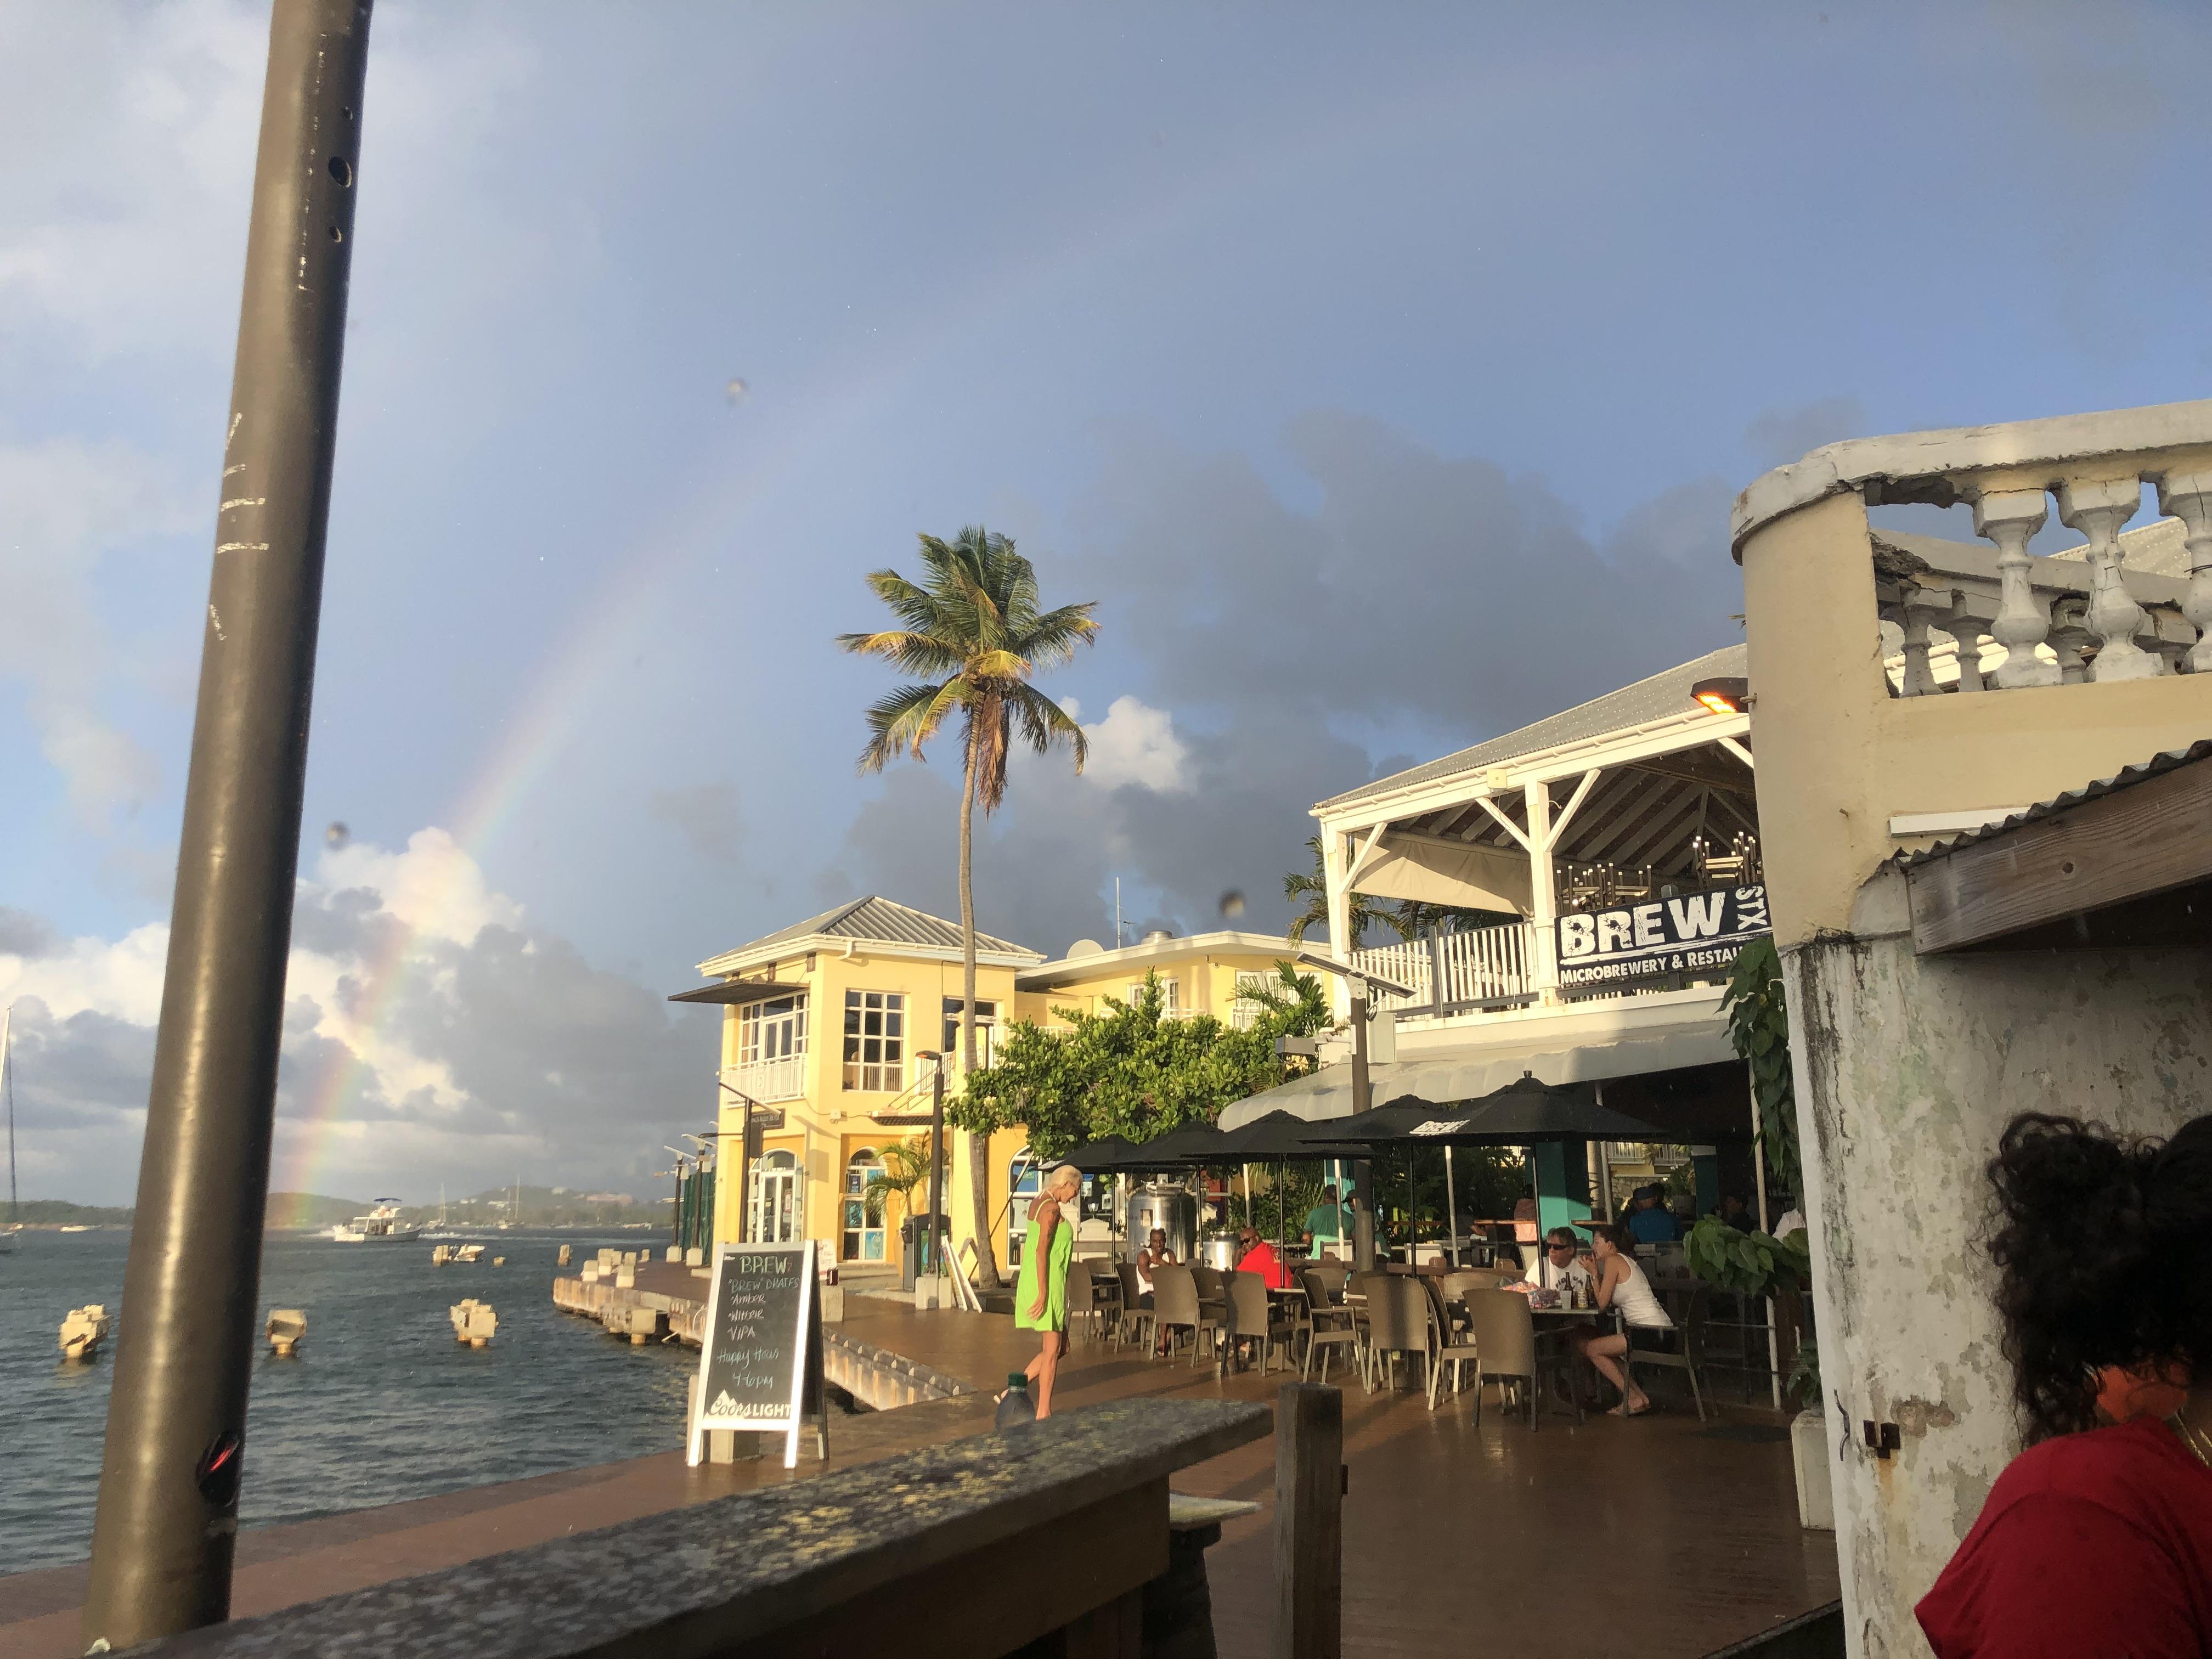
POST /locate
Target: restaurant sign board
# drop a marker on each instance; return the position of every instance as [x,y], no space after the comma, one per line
[1690,934]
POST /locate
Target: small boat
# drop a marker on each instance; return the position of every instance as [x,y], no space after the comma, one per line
[84,1331]
[381,1225]
[287,1328]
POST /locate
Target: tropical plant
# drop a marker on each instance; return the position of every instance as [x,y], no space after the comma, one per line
[971,635]
[1133,1070]
[1751,1263]
[1759,1029]
[905,1167]
[1309,889]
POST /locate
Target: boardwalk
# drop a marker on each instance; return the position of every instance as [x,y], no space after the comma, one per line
[1656,1535]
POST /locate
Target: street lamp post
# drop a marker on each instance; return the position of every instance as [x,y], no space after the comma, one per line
[166,1525]
[936,1154]
[1363,985]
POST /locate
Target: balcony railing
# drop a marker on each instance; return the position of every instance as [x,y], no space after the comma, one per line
[1474,968]
[770,1081]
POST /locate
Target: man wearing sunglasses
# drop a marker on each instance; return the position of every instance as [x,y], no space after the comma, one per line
[1556,1267]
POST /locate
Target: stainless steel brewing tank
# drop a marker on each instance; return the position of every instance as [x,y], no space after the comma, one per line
[1218,1252]
[1170,1209]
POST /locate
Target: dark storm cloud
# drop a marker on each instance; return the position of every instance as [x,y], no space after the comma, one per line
[86,1071]
[22,934]
[707,815]
[1443,587]
[1447,592]
[1776,437]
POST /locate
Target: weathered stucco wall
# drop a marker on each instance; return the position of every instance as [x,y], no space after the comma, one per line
[1907,1070]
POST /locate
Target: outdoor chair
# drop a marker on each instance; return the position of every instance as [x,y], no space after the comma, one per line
[1445,1347]
[1330,1322]
[1106,1294]
[1399,1321]
[1683,1348]
[1176,1307]
[1135,1321]
[1260,1319]
[1334,1274]
[1082,1301]
[1211,1295]
[1505,1335]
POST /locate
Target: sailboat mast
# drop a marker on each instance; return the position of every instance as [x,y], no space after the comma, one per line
[7,1092]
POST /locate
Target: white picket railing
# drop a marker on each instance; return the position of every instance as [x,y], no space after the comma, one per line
[1489,964]
[769,1080]
[1480,964]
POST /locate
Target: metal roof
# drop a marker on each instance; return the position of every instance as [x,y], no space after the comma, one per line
[879,920]
[1662,694]
[2126,777]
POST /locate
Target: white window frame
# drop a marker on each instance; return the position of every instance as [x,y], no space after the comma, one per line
[1170,995]
[875,1060]
[1246,1012]
[763,1036]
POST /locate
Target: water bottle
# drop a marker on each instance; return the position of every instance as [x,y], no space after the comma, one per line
[1016,1406]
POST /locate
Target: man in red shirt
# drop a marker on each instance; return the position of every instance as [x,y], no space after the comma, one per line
[1259,1258]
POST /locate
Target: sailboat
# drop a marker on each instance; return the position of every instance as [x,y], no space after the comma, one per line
[14,1229]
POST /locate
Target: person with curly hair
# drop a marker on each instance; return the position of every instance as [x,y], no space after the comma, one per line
[2098,1538]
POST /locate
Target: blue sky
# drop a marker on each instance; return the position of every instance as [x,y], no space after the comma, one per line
[1383,373]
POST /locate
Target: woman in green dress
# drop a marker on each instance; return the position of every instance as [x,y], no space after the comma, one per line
[1041,1292]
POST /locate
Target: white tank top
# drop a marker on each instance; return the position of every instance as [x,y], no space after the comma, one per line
[1638,1306]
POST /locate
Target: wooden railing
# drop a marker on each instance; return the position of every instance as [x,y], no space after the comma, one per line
[1474,968]
[1051,1530]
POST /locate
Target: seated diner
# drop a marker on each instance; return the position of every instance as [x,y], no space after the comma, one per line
[1558,1265]
[1257,1255]
[1622,1287]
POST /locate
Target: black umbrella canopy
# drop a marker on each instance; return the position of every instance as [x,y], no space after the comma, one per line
[1108,1155]
[1523,1112]
[1283,1135]
[1384,1123]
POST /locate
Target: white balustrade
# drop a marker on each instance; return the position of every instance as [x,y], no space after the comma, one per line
[1488,964]
[2188,496]
[768,1080]
[2061,620]
[1404,964]
[2097,508]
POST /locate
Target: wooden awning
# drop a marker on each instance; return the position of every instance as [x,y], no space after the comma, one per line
[2126,861]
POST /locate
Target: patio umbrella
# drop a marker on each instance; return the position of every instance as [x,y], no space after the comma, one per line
[1279,1136]
[1521,1113]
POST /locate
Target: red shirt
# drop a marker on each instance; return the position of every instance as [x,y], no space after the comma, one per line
[1261,1259]
[2097,1543]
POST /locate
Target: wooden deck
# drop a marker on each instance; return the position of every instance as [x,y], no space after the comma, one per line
[1656,1535]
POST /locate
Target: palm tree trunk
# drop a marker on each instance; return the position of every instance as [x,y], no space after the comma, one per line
[979,1145]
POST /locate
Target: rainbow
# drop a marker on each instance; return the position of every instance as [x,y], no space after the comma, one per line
[611,629]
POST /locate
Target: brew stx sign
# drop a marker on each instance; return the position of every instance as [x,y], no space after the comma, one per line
[1695,932]
[760,1364]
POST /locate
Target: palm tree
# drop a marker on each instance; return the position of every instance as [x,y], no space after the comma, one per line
[971,634]
[905,1167]
[1312,890]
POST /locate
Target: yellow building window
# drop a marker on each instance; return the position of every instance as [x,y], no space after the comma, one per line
[875,1040]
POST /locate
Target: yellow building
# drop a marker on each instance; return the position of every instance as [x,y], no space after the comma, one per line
[830,1030]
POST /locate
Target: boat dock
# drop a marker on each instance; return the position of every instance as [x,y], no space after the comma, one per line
[1451,1527]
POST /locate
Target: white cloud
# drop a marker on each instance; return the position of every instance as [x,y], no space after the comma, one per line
[433,887]
[428,1033]
[64,507]
[1135,743]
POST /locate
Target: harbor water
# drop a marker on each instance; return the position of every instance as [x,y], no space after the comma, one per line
[380,1405]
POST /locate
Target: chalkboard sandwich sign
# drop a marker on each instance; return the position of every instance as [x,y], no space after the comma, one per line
[760,1367]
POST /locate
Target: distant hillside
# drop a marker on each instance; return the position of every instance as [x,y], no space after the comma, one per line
[311,1210]
[60,1212]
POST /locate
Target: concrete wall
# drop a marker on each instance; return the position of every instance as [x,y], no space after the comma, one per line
[1907,1069]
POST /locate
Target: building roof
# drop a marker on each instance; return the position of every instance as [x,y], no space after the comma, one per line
[2125,778]
[1663,693]
[1138,957]
[873,920]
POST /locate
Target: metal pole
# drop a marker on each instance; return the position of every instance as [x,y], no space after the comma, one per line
[1451,1203]
[936,1161]
[1759,1175]
[746,1174]
[168,1515]
[1363,1097]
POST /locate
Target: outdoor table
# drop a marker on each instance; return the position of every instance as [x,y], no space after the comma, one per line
[1592,1315]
